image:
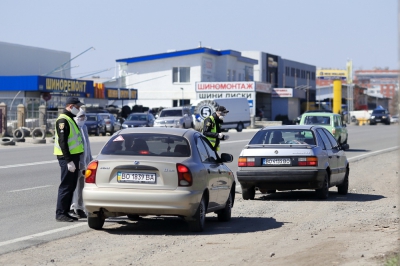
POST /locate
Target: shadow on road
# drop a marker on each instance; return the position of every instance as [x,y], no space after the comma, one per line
[178,226]
[309,195]
[357,150]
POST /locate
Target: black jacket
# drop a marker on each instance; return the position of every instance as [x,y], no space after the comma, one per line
[62,127]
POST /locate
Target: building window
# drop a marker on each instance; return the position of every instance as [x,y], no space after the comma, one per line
[239,76]
[181,74]
[292,70]
[228,75]
[233,75]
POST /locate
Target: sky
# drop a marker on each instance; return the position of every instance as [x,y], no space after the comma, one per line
[324,33]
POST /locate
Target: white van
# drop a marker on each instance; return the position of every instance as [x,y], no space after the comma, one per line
[239,112]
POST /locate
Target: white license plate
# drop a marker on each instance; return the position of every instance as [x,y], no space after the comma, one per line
[282,161]
[136,177]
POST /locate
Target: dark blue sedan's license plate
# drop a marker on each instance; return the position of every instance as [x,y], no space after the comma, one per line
[281,161]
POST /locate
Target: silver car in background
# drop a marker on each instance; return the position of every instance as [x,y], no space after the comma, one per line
[290,158]
[179,117]
[112,124]
[145,171]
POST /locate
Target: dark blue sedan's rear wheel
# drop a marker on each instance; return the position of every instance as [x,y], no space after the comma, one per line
[344,187]
[248,193]
[323,192]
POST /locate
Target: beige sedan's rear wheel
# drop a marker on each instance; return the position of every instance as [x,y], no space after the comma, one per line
[199,219]
[96,222]
[225,214]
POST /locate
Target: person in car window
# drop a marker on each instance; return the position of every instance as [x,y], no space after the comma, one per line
[77,208]
[212,127]
[68,147]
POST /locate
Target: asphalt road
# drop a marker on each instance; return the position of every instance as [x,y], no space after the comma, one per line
[29,178]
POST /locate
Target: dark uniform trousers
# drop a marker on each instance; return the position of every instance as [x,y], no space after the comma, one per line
[67,186]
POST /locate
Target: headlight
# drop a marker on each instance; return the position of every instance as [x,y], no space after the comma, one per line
[384,117]
[372,116]
[124,126]
[176,122]
[93,126]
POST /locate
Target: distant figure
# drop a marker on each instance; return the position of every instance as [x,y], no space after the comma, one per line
[212,127]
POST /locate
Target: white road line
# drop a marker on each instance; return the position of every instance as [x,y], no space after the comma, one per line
[372,153]
[41,234]
[27,164]
[29,188]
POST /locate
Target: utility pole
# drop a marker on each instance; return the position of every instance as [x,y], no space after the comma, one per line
[308,89]
[182,97]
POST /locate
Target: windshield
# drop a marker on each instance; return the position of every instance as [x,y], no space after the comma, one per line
[317,120]
[137,117]
[283,136]
[378,112]
[147,144]
[165,113]
[91,118]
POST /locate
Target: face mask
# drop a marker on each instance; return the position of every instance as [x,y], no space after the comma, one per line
[221,117]
[74,111]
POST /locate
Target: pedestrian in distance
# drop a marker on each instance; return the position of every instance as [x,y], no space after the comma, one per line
[68,146]
[77,208]
[212,127]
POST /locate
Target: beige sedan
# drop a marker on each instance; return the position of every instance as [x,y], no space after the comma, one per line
[159,171]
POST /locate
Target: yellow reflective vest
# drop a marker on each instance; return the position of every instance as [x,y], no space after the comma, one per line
[213,130]
[75,143]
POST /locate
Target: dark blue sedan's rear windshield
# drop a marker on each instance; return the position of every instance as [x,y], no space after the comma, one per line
[147,145]
[283,136]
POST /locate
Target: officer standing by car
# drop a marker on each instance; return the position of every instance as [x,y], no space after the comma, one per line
[212,127]
[68,147]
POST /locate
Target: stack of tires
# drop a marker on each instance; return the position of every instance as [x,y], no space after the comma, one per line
[20,133]
[39,136]
[5,141]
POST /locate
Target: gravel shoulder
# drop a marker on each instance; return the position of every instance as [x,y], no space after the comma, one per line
[286,228]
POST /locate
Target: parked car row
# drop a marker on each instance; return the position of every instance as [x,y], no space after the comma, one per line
[103,123]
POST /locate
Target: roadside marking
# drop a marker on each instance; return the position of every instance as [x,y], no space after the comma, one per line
[29,188]
[27,164]
[41,234]
[372,153]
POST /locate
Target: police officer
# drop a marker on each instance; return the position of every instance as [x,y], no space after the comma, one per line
[68,147]
[212,127]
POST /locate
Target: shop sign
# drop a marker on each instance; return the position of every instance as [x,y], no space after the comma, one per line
[224,86]
[282,93]
[124,94]
[263,87]
[67,87]
[213,95]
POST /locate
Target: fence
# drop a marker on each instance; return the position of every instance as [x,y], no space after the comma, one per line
[31,120]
